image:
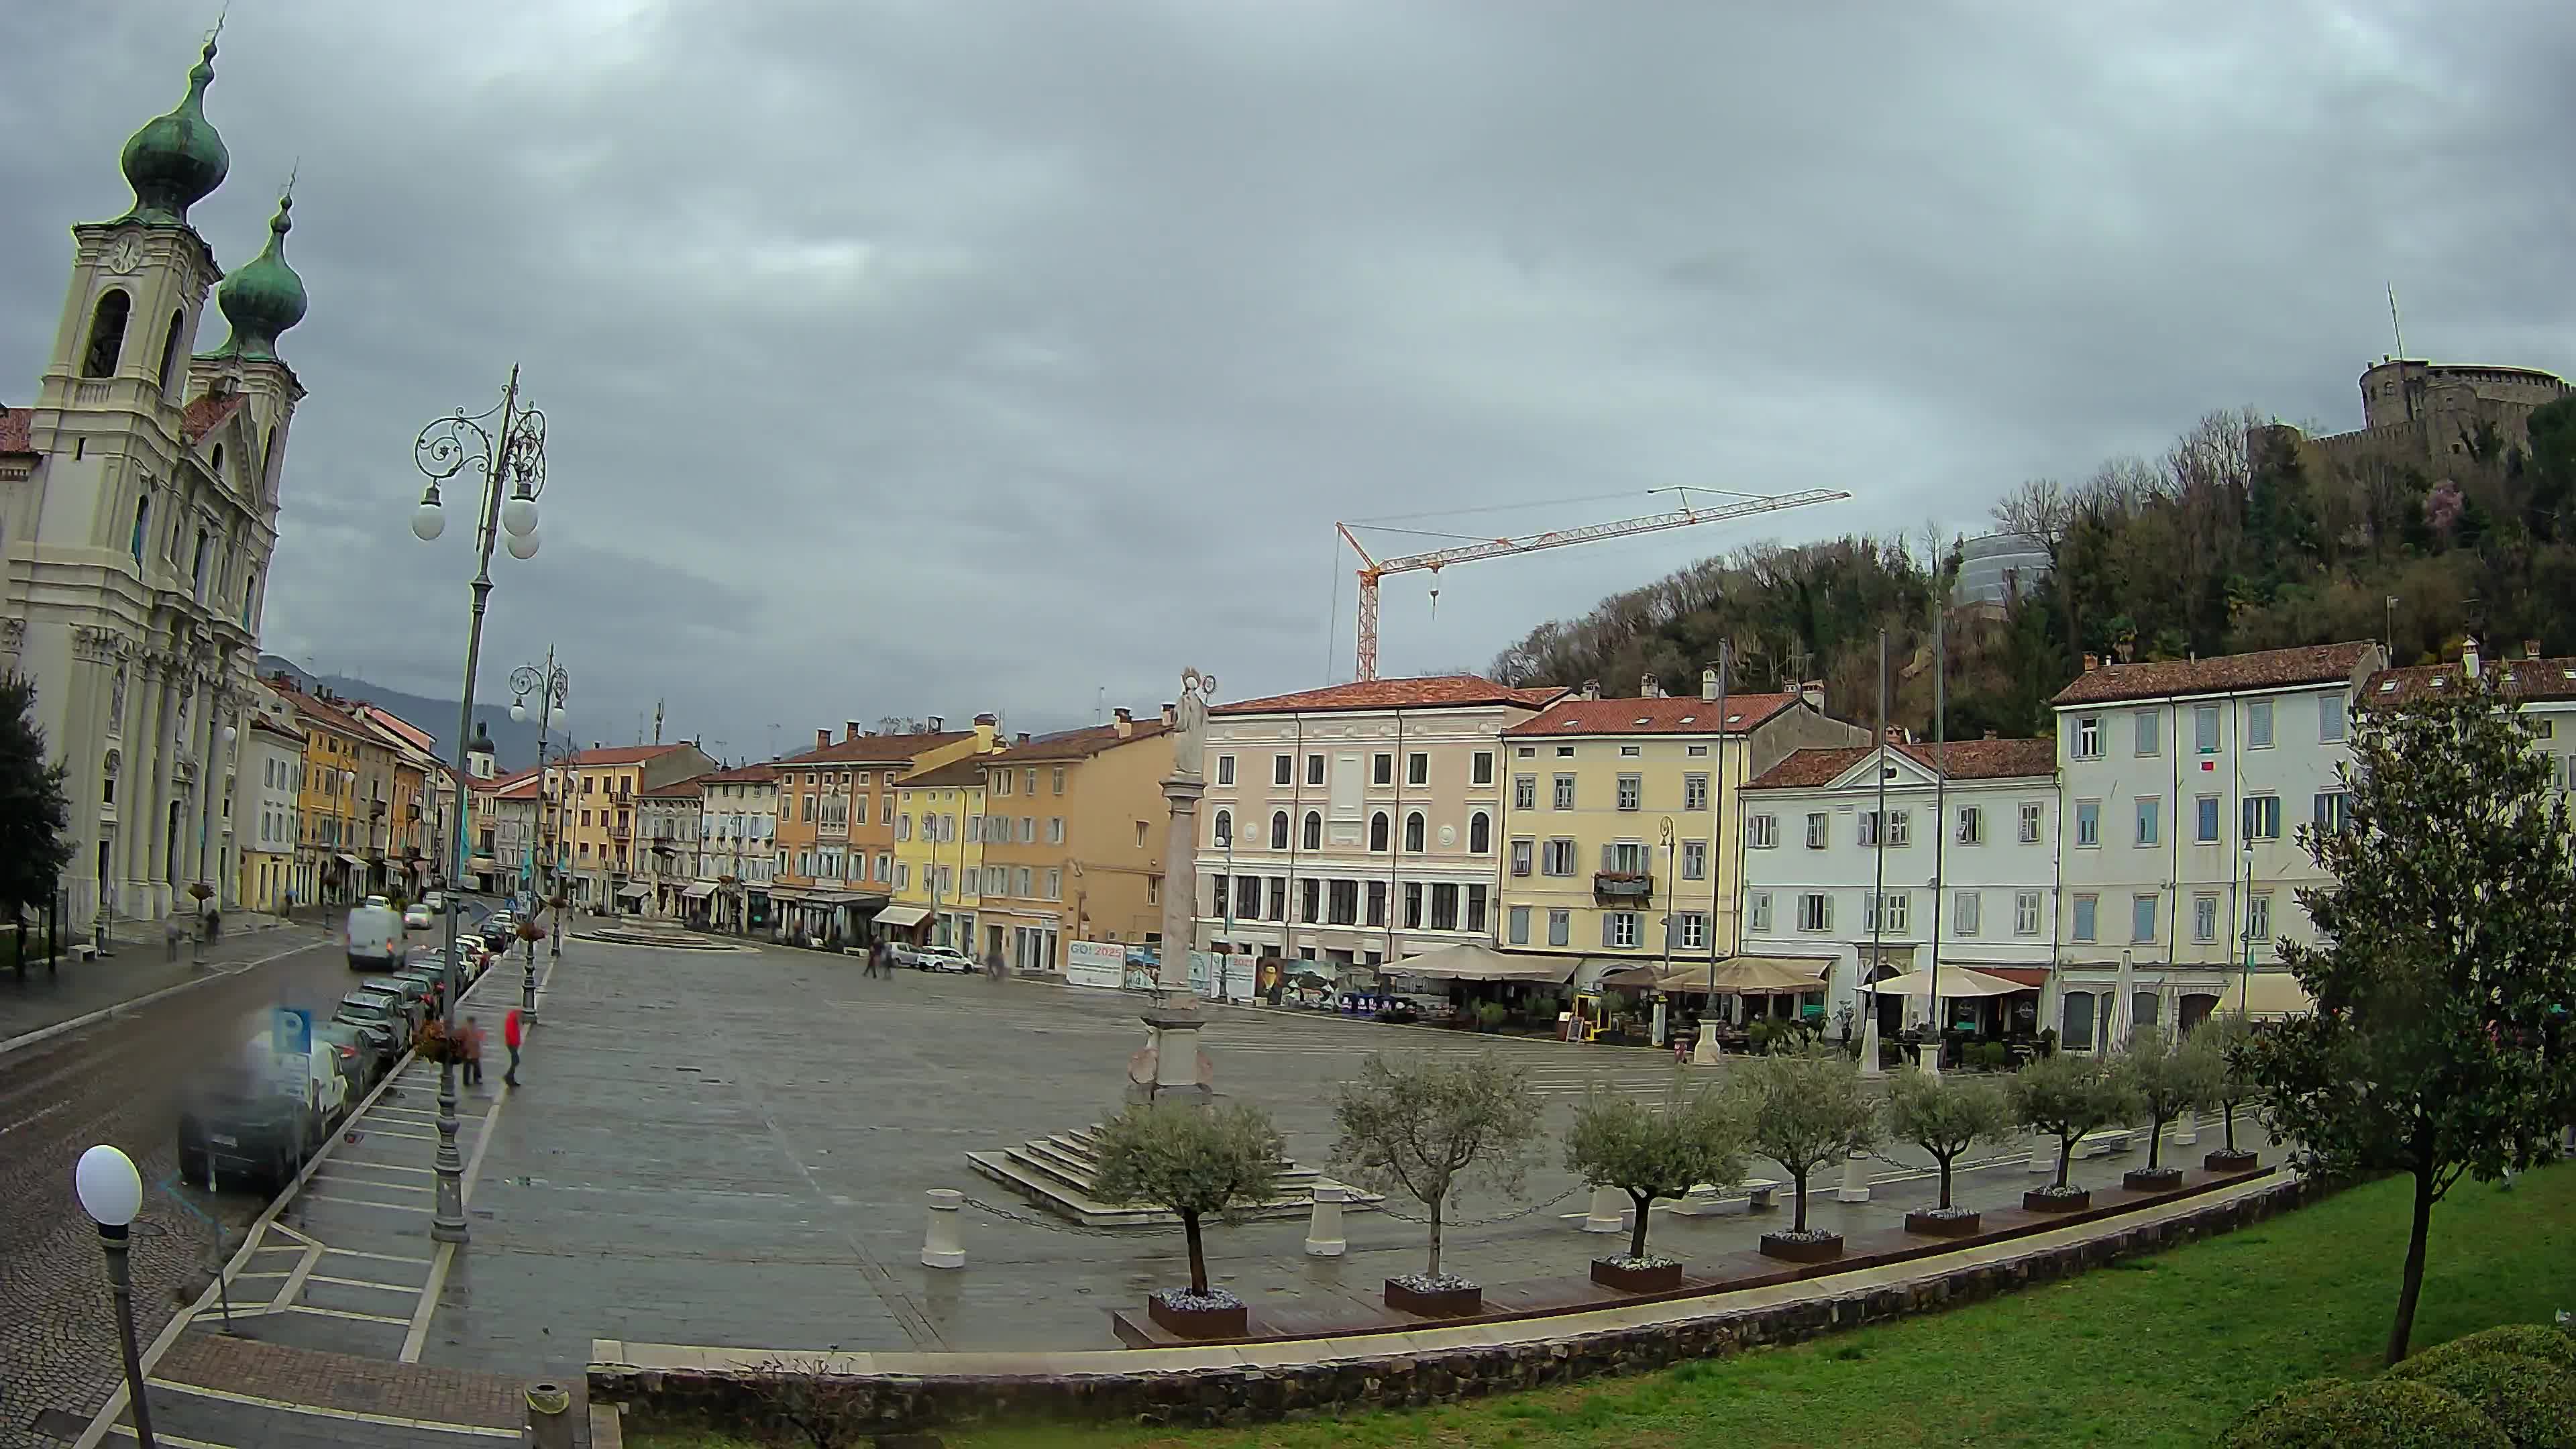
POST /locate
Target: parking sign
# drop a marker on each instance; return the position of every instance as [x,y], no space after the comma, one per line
[290,1032]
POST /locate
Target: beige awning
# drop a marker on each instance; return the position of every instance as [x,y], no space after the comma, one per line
[1734,975]
[2266,994]
[699,891]
[903,915]
[1468,961]
[1956,982]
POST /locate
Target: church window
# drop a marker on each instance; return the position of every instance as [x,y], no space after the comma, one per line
[142,518]
[219,463]
[170,349]
[197,568]
[107,334]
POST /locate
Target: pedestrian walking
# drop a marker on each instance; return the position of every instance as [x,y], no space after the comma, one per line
[510,1032]
[875,959]
[473,1053]
[993,964]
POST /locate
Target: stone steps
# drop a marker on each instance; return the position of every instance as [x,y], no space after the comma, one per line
[1058,1173]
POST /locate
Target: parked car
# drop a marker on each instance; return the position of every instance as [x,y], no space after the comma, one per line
[383,1010]
[940,958]
[499,929]
[435,902]
[328,1079]
[433,979]
[414,991]
[370,1049]
[475,955]
[240,1124]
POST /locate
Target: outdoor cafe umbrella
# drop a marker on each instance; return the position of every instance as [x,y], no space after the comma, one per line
[2123,1011]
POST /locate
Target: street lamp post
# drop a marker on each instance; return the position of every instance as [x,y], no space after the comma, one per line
[511,457]
[111,1192]
[551,686]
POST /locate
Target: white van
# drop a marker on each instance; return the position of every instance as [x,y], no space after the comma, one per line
[326,1085]
[375,938]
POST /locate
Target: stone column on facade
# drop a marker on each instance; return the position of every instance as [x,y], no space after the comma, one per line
[134,736]
[1173,1052]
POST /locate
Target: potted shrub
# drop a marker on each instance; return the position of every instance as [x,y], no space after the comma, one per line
[2163,1080]
[1426,1127]
[1197,1162]
[1805,1110]
[1945,1117]
[1618,1141]
[2065,1096]
[1490,1014]
[2224,1039]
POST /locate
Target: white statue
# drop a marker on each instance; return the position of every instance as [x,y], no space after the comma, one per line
[1189,738]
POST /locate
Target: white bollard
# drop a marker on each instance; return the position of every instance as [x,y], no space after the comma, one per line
[2186,1129]
[1609,1212]
[1855,1186]
[940,1245]
[1324,1229]
[2043,1157]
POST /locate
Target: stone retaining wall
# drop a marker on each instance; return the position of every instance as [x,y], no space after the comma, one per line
[1198,1397]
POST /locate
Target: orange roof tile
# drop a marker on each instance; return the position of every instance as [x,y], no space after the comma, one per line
[967,772]
[1436,691]
[2518,679]
[620,755]
[874,749]
[2264,669]
[17,430]
[208,413]
[1079,744]
[692,787]
[741,775]
[1691,716]
[1967,760]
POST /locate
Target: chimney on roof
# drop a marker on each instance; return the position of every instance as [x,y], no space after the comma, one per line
[1123,721]
[1990,734]
[822,737]
[1708,684]
[2469,656]
[1896,734]
[849,730]
[937,724]
[1021,739]
[2530,648]
[2092,662]
[1592,689]
[1649,687]
[1813,692]
[988,719]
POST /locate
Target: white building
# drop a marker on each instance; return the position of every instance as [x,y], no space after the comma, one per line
[1964,871]
[737,848]
[668,822]
[1297,784]
[138,507]
[2184,784]
[2543,690]
[265,820]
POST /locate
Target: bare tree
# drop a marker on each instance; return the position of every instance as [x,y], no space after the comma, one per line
[2040,508]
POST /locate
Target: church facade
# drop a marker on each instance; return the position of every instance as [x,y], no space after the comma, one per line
[138,510]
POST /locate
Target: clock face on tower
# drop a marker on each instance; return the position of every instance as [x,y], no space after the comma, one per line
[126,254]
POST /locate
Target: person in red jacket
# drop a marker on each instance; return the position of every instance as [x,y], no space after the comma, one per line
[510,1039]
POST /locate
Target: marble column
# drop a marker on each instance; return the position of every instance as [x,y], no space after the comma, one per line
[1174,1025]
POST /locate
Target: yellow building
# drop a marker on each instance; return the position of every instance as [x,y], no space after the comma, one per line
[591,800]
[1072,842]
[333,820]
[835,842]
[938,853]
[1612,818]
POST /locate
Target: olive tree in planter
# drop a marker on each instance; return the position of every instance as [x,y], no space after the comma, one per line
[1196,1161]
[2223,1040]
[2066,1096]
[1619,1141]
[2163,1080]
[1805,1110]
[1945,1116]
[1427,1127]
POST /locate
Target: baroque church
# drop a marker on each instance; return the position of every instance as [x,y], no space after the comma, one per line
[138,511]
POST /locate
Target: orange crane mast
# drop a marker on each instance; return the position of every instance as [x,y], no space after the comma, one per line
[1374,569]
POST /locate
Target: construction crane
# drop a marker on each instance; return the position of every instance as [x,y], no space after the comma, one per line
[1373,569]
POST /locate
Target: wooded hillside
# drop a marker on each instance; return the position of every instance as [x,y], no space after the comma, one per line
[2226,542]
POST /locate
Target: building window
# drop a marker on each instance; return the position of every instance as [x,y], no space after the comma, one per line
[1382,768]
[1314,769]
[1225,769]
[1517,925]
[2258,724]
[1377,903]
[2150,819]
[107,334]
[1278,830]
[1558,858]
[1058,779]
[2331,726]
[1891,912]
[2088,822]
[1314,832]
[1283,769]
[1525,792]
[2204,918]
[1377,832]
[1757,910]
[2077,1033]
[1694,932]
[1224,831]
[1480,833]
[1694,792]
[1972,825]
[2030,818]
[1560,927]
[2148,741]
[1481,769]
[1815,911]
[1564,799]
[1055,885]
[1413,905]
[2088,737]
[1619,929]
[2334,811]
[1898,823]
[1967,912]
[2204,728]
[142,520]
[1762,832]
[1444,906]
[1247,897]
[2025,913]
[1631,792]
[1522,850]
[1819,830]
[2262,817]
[2142,918]
[1413,832]
[1694,860]
[1154,890]
[1625,856]
[2087,908]
[1342,903]
[2205,820]
[2258,918]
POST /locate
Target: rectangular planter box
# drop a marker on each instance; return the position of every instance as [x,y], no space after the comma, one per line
[2161,1179]
[1799,1250]
[1231,1322]
[1446,1303]
[1932,1227]
[2044,1202]
[1636,1280]
[2224,1161]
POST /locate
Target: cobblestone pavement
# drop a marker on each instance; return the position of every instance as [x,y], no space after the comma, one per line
[114,1081]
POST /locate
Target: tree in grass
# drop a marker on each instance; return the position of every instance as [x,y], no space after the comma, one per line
[2163,1080]
[2224,1039]
[1647,1152]
[1195,1161]
[1945,1116]
[1427,1128]
[2066,1096]
[1805,1110]
[34,812]
[2447,937]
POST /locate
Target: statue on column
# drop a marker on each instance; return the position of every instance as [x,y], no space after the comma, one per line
[1189,737]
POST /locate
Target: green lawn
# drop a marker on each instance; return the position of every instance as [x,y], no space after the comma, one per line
[2158,1351]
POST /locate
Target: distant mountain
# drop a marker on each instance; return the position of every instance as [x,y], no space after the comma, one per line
[514,744]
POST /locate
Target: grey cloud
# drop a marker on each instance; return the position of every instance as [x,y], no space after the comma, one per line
[902,358]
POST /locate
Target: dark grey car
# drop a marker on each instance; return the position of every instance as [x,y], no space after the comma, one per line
[380,1009]
[415,994]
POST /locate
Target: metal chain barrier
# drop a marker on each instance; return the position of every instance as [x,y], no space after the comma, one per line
[1517,1212]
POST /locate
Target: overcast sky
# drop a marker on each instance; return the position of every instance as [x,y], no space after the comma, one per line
[941,356]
